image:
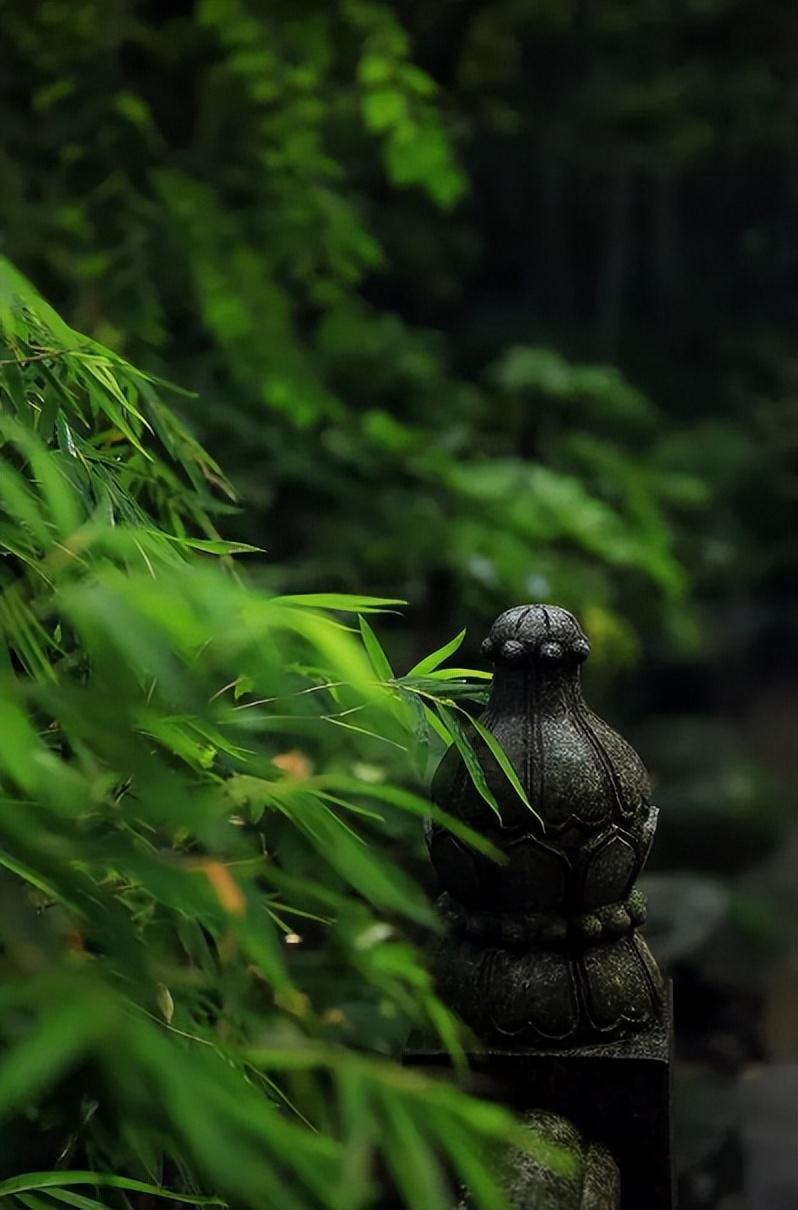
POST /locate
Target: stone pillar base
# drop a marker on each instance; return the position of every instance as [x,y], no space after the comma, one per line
[617,1094]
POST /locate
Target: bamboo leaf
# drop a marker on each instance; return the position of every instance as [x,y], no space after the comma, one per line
[470,758]
[67,1198]
[379,660]
[431,661]
[60,1179]
[413,804]
[63,1033]
[214,546]
[450,674]
[415,1169]
[340,601]
[505,765]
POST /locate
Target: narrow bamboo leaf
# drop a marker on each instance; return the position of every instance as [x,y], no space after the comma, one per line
[45,425]
[413,804]
[21,504]
[379,660]
[421,734]
[340,722]
[360,1130]
[447,1029]
[415,1168]
[450,674]
[438,725]
[435,658]
[470,758]
[505,765]
[57,1180]
[100,368]
[213,546]
[475,1166]
[15,387]
[23,871]
[57,489]
[433,686]
[344,602]
[105,401]
[63,1033]
[347,806]
[31,1202]
[74,1199]
[22,753]
[66,440]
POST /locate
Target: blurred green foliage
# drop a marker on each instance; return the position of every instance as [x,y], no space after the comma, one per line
[204,961]
[285,205]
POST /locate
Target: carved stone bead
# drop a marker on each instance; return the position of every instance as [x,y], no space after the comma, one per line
[564,896]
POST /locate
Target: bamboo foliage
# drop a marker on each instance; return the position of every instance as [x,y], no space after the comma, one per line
[205,968]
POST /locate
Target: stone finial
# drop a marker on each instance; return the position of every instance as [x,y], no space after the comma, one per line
[543,949]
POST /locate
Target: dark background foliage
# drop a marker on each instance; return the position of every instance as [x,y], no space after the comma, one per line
[483,301]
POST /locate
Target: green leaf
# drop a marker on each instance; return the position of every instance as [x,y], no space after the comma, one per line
[63,1033]
[448,1030]
[421,734]
[15,387]
[57,1180]
[70,1199]
[455,674]
[431,661]
[475,1167]
[379,660]
[470,758]
[413,804]
[374,69]
[21,504]
[383,108]
[31,1202]
[341,601]
[213,546]
[505,765]
[438,725]
[415,1168]
[342,722]
[135,110]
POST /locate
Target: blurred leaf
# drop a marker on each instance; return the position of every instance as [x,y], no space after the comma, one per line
[54,1181]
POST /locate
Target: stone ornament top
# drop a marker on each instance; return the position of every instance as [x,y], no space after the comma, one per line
[543,949]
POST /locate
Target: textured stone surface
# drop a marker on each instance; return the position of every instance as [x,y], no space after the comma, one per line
[615,1093]
[562,1171]
[544,949]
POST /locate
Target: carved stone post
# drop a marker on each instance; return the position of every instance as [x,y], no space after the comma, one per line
[542,957]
